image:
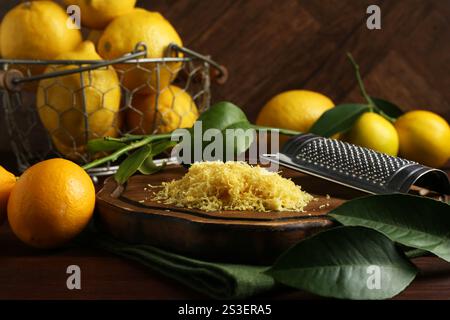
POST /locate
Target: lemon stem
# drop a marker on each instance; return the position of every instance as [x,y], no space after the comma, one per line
[360,82]
[125,138]
[387,117]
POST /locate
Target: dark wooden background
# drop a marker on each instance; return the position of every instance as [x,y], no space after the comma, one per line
[272,46]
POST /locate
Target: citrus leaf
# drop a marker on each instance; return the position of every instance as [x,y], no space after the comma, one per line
[149,167]
[223,116]
[241,142]
[162,146]
[414,221]
[131,164]
[347,263]
[338,119]
[389,108]
[98,145]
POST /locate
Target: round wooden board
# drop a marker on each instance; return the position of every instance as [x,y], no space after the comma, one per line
[228,236]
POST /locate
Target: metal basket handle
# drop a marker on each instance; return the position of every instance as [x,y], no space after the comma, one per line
[12,80]
[219,73]
[9,79]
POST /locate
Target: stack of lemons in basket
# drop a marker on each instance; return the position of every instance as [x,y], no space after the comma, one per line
[42,30]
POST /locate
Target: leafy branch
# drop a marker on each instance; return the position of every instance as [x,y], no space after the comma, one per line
[97,145]
[141,149]
[342,117]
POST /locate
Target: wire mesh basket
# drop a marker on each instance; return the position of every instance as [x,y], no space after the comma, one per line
[53,108]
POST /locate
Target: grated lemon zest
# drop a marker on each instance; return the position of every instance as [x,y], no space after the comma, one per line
[216,186]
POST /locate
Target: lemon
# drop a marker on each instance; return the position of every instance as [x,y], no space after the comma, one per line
[96,14]
[121,36]
[61,102]
[94,36]
[7,182]
[374,132]
[176,109]
[37,30]
[424,137]
[51,203]
[78,152]
[294,110]
[1,40]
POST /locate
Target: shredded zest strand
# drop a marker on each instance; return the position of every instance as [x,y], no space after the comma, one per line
[217,186]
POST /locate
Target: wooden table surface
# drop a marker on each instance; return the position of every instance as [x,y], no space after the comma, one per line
[26,273]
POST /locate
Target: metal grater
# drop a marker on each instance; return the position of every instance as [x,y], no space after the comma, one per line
[357,167]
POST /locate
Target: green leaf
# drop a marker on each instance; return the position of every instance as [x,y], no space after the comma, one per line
[241,141]
[149,167]
[413,221]
[338,119]
[388,108]
[98,145]
[162,146]
[343,263]
[223,116]
[131,164]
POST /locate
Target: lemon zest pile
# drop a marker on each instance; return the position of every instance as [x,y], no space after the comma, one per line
[216,186]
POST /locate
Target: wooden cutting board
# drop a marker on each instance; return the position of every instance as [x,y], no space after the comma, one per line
[228,236]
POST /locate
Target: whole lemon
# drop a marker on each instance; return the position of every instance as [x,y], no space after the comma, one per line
[79,153]
[121,36]
[66,103]
[294,110]
[424,137]
[7,182]
[374,132]
[51,203]
[37,30]
[94,36]
[96,14]
[1,55]
[176,109]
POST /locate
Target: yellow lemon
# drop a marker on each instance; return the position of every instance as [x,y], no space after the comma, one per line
[121,36]
[424,137]
[51,203]
[79,153]
[1,40]
[75,109]
[94,36]
[7,182]
[37,30]
[374,132]
[176,109]
[96,14]
[295,110]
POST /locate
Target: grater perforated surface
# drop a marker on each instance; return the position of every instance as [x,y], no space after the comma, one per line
[357,167]
[350,160]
